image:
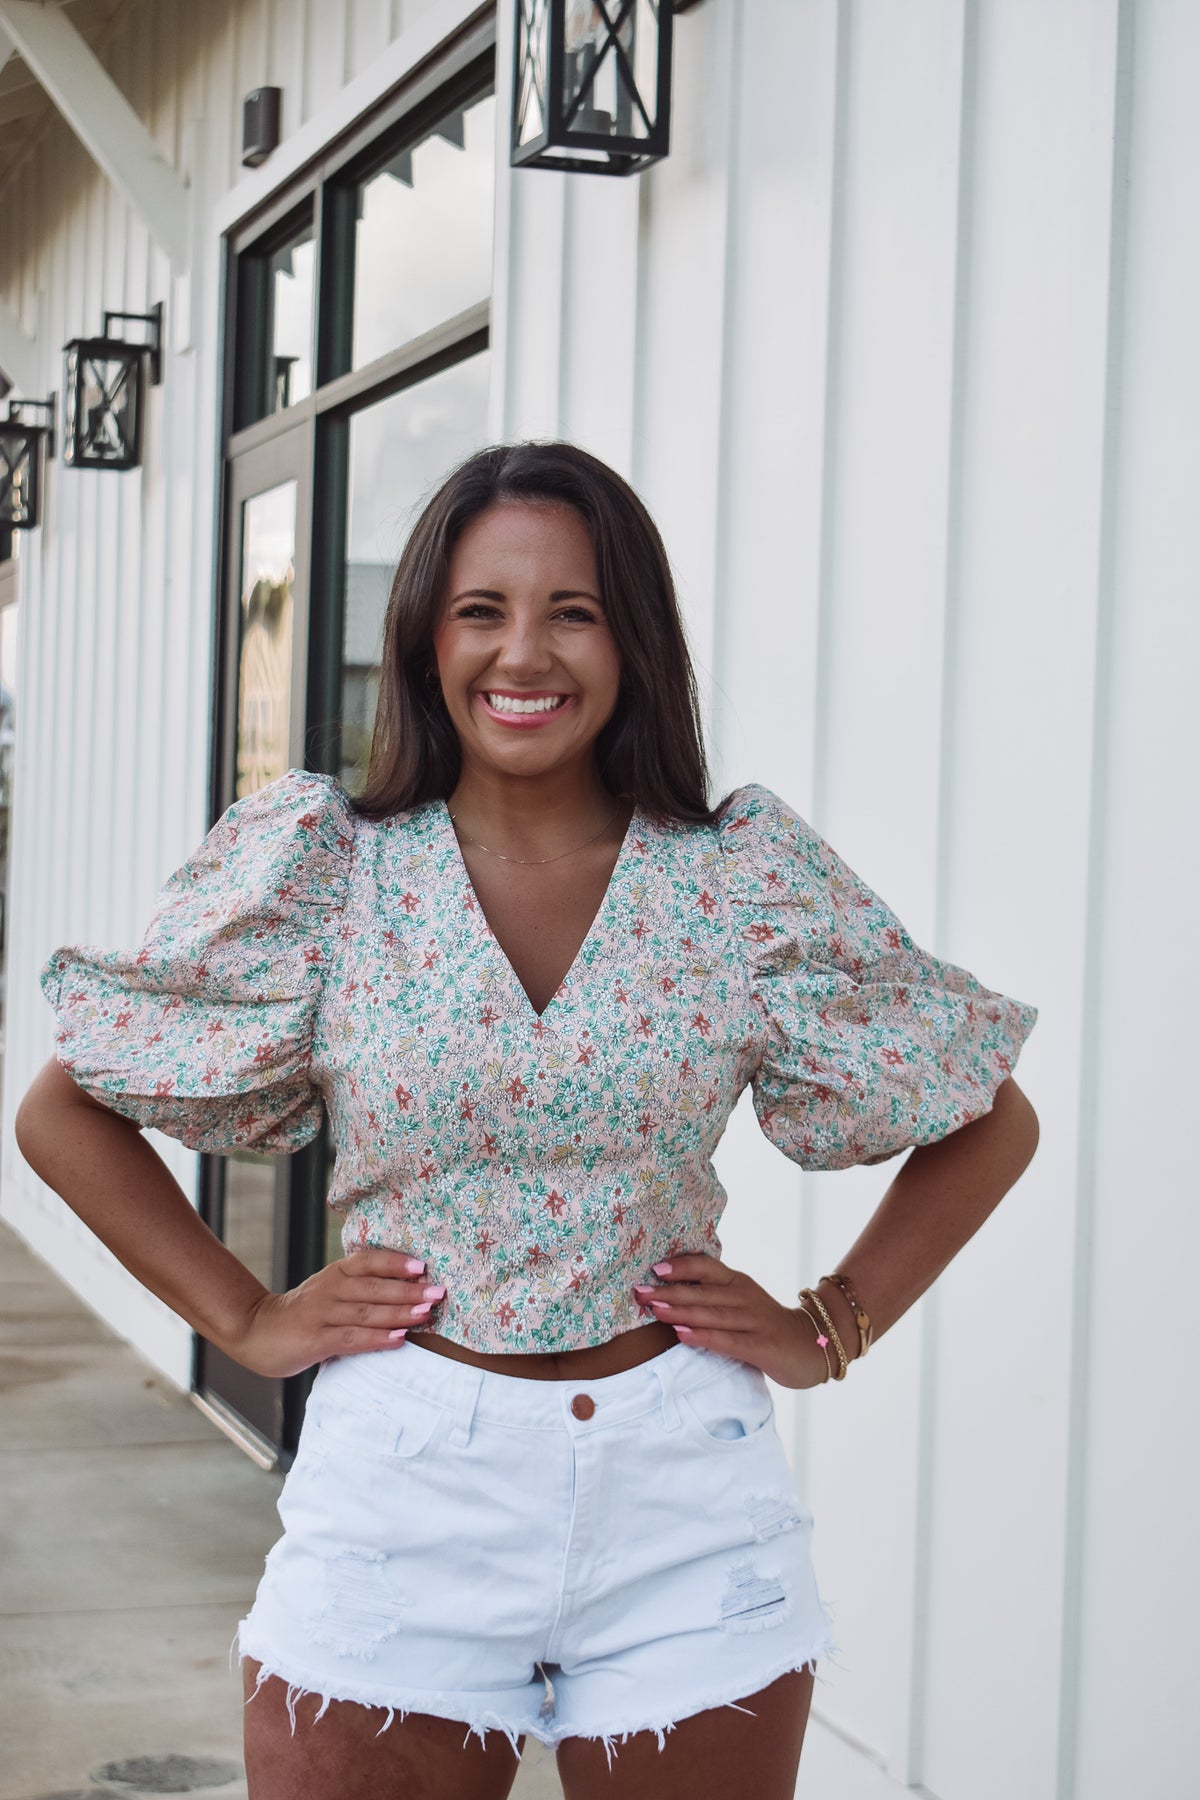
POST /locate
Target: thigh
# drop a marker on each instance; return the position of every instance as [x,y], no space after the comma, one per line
[707,1757]
[347,1756]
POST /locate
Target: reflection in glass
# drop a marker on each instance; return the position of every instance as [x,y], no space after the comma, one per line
[290,287]
[424,233]
[265,657]
[399,450]
[250,1212]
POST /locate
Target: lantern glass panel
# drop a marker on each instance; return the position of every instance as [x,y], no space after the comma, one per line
[19,452]
[423,231]
[610,67]
[532,63]
[103,404]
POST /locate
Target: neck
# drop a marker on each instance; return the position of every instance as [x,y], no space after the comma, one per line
[533,815]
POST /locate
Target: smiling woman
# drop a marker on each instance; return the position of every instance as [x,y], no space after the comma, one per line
[528,974]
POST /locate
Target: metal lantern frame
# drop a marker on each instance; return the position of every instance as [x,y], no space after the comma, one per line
[94,437]
[559,142]
[21,463]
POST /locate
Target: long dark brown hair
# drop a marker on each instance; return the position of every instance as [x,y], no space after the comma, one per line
[651,750]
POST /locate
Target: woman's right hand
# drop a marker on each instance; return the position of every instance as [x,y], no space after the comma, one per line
[367,1301]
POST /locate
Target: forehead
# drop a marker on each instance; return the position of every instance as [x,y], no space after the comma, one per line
[523,538]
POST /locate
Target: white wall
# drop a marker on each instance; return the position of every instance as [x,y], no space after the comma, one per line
[905,367]
[899,345]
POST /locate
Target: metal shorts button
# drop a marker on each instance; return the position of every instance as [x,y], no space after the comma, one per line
[583,1406]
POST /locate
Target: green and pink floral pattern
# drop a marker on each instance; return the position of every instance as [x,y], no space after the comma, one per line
[306,961]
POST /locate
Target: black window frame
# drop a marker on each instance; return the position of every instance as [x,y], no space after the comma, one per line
[460,72]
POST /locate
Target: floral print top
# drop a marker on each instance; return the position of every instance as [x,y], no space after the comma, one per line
[305,960]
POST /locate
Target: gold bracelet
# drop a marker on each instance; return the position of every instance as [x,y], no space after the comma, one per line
[822,1340]
[861,1317]
[831,1329]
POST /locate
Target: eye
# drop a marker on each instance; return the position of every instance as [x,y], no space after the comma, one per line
[476,609]
[576,615]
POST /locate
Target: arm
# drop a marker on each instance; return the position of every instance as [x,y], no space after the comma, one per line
[114,1180]
[941,1196]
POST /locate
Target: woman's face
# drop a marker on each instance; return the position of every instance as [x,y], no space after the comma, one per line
[528,666]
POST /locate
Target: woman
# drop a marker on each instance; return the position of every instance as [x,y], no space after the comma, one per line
[528,972]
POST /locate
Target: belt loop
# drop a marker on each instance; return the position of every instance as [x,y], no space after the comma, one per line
[666,1381]
[464,1406]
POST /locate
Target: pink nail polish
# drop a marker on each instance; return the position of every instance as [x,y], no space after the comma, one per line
[683,1331]
[413,1266]
[419,1312]
[662,1268]
[432,1293]
[395,1336]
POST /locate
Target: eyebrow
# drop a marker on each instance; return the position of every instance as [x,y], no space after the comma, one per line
[556,597]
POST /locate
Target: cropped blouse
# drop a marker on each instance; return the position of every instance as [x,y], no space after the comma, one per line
[306,961]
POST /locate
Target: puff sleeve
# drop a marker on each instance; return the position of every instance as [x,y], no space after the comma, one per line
[204,1030]
[870,1045]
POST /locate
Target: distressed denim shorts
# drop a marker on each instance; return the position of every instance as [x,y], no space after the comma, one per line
[559,1558]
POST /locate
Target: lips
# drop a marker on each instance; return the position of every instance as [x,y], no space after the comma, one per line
[524,712]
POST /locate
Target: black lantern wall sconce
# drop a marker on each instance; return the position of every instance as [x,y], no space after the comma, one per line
[20,463]
[104,393]
[592,84]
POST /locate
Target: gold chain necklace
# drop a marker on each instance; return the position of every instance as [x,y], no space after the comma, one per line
[539,860]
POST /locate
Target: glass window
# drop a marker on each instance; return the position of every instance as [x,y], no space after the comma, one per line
[265,658]
[423,233]
[398,449]
[275,324]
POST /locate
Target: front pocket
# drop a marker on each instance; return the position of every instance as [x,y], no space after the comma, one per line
[356,1413]
[731,1411]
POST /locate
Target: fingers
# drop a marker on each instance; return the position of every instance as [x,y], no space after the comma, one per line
[381,1262]
[351,1340]
[696,1314]
[695,1265]
[725,1343]
[381,1290]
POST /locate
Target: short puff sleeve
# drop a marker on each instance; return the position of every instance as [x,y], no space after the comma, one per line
[204,1030]
[871,1045]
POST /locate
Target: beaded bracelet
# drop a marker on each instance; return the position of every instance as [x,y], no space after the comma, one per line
[822,1340]
[831,1330]
[861,1317]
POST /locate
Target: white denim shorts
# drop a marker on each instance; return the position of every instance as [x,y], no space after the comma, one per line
[558,1558]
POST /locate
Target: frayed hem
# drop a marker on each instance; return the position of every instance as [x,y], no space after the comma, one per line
[448,1705]
[621,1734]
[434,1705]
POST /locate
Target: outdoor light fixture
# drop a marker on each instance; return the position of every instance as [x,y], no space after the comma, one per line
[20,463]
[592,86]
[104,385]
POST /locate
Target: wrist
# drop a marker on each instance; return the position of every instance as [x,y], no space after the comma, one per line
[817,1362]
[843,1317]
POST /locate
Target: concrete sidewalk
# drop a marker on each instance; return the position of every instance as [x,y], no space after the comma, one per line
[132,1535]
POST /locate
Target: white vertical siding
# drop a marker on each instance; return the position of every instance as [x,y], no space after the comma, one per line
[909,302]
[899,345]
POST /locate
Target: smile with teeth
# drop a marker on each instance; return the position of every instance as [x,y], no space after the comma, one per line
[510,704]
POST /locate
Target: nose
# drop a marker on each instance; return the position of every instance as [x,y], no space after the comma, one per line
[524,652]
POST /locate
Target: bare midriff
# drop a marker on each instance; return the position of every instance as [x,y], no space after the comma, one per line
[588,1364]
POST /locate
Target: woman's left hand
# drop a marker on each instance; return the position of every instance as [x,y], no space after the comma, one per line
[717,1308]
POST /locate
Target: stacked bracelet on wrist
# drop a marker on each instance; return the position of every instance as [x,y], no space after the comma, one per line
[861,1318]
[822,1340]
[830,1330]
[815,1310]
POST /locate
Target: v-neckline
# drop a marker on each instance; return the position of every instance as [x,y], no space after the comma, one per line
[599,918]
